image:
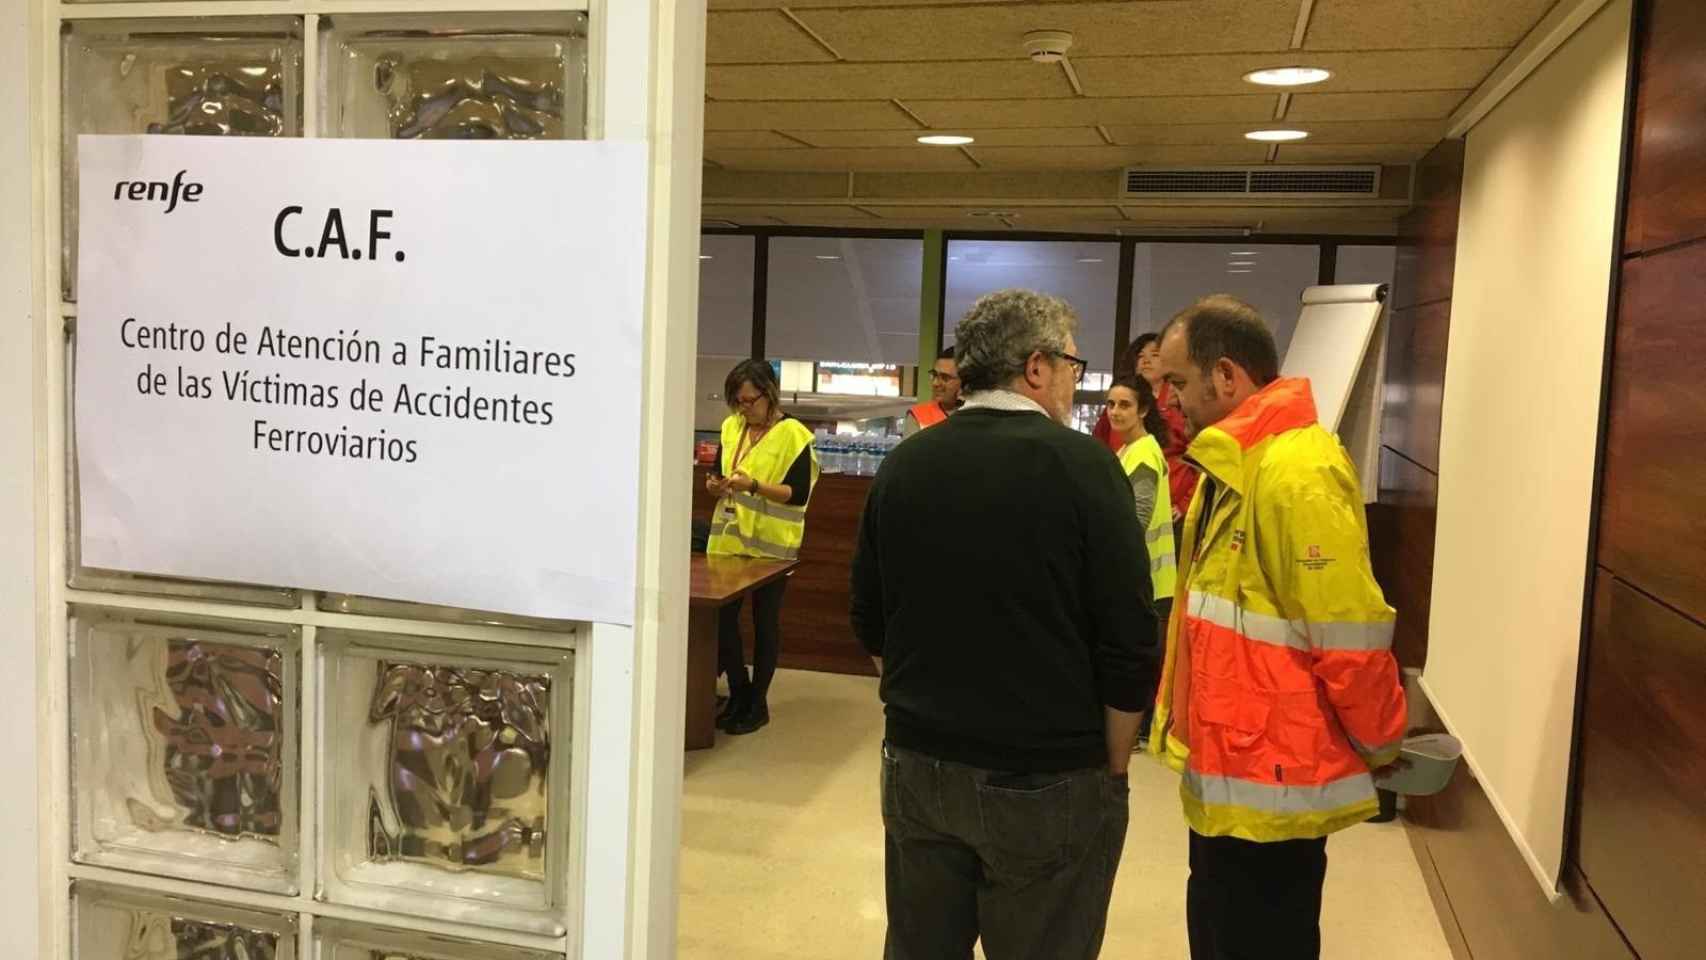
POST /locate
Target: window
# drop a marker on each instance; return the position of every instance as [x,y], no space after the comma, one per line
[844,299]
[1169,277]
[1085,275]
[1365,264]
[725,295]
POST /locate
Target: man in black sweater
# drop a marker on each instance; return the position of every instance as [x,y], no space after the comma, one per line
[1013,673]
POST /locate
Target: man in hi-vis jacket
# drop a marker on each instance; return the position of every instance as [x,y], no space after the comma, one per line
[1279,693]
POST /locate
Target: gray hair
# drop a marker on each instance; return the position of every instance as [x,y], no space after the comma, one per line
[1001,331]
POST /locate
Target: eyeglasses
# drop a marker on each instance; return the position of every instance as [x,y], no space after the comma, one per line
[937,376]
[1079,365]
[748,403]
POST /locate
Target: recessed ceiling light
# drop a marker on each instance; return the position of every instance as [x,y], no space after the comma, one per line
[704,256]
[1240,271]
[826,256]
[945,140]
[1275,136]
[1288,76]
[953,258]
[1089,259]
[1242,253]
[1242,263]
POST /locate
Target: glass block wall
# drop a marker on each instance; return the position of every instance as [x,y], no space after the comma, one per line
[261,772]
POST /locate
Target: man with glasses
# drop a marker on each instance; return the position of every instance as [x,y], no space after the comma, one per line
[944,396]
[999,584]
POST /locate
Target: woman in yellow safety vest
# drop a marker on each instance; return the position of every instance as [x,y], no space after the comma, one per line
[1136,417]
[763,480]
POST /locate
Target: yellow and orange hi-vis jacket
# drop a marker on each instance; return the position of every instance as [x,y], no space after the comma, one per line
[1279,691]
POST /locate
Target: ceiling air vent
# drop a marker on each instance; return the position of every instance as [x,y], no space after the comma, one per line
[1296,182]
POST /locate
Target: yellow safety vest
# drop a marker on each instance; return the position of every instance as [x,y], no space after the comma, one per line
[1163,563]
[746,524]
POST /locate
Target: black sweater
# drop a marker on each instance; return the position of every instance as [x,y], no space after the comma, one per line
[1001,575]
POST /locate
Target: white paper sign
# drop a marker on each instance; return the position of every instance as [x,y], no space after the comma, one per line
[408,370]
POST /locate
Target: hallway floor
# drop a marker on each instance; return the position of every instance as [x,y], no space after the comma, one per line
[782,849]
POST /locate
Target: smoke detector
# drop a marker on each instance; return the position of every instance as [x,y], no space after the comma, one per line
[1048,46]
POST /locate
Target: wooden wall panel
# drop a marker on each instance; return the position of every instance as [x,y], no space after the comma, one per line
[1642,827]
[1653,502]
[1415,381]
[1403,544]
[1667,185]
[1492,897]
[1427,235]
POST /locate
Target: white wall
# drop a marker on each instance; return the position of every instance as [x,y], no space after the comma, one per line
[1519,427]
[20,902]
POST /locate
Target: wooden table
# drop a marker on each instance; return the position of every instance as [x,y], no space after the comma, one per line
[716,582]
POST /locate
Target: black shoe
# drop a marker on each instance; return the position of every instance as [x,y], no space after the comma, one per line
[732,708]
[750,720]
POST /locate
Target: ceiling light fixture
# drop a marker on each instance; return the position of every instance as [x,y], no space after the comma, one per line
[946,140]
[1240,271]
[704,256]
[1276,136]
[826,256]
[1242,263]
[1288,76]
[1089,259]
[1242,253]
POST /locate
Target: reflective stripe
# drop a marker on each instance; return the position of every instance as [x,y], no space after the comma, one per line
[1216,790]
[1163,562]
[1256,626]
[1157,533]
[1296,634]
[768,548]
[770,508]
[1350,635]
[1367,751]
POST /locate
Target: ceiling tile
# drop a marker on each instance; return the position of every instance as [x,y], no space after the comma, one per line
[803,4]
[876,81]
[918,158]
[1111,158]
[1407,24]
[1089,111]
[1351,152]
[1099,29]
[785,213]
[1418,105]
[1427,132]
[747,185]
[749,140]
[813,114]
[1352,72]
[986,186]
[759,36]
[1018,137]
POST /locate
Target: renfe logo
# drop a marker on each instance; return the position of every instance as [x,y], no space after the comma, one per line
[167,193]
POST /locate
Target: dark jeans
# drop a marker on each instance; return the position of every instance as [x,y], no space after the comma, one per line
[766,641]
[1250,900]
[1027,861]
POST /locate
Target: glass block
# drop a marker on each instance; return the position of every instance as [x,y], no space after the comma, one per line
[345,940]
[446,778]
[184,747]
[404,610]
[512,76]
[117,923]
[237,77]
[80,577]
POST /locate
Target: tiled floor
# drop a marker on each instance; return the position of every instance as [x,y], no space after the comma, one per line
[782,853]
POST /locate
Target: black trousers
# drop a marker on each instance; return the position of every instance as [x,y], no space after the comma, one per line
[1255,901]
[766,642]
[1026,861]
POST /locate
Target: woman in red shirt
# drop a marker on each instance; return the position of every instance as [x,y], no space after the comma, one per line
[1143,358]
